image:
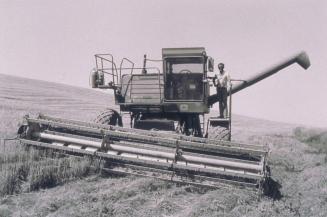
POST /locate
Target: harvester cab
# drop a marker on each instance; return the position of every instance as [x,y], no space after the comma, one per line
[175,98]
[184,75]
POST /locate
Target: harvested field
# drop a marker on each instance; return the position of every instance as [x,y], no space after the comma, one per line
[32,184]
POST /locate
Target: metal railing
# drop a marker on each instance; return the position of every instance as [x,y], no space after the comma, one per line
[121,66]
[229,110]
[105,63]
[101,60]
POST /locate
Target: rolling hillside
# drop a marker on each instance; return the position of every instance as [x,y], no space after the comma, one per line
[298,159]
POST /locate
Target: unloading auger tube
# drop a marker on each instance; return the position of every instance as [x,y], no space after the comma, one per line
[301,58]
[171,157]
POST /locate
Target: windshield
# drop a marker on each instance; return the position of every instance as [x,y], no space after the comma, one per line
[184,65]
[184,78]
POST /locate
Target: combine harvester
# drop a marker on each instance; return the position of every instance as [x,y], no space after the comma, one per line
[198,151]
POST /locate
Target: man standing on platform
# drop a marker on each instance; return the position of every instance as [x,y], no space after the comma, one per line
[222,82]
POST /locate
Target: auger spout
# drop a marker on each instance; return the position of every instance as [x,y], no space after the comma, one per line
[302,59]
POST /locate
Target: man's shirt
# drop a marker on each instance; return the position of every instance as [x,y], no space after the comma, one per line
[223,78]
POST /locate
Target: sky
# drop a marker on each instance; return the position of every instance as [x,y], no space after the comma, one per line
[56,40]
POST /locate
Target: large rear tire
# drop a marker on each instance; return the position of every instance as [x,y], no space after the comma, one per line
[109,117]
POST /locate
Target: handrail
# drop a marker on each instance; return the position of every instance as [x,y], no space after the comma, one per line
[230,109]
[126,68]
[117,72]
[152,60]
[113,65]
[159,87]
[121,64]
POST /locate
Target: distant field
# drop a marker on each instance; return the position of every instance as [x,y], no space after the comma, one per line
[31,184]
